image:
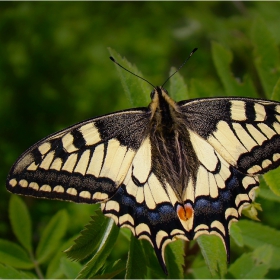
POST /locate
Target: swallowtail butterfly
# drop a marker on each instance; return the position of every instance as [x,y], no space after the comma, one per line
[173,170]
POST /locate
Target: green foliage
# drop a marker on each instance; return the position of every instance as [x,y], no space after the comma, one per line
[55,72]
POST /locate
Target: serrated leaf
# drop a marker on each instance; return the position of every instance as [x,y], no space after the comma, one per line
[21,222]
[178,88]
[106,246]
[222,59]
[255,235]
[89,239]
[174,258]
[51,236]
[136,267]
[14,255]
[272,179]
[8,272]
[135,88]
[70,268]
[266,55]
[252,265]
[214,254]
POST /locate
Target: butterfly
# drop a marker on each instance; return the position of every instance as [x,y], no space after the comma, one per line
[172,170]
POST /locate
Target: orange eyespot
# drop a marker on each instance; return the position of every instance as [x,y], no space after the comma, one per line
[186,212]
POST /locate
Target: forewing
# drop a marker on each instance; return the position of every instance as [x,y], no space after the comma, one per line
[83,163]
[244,131]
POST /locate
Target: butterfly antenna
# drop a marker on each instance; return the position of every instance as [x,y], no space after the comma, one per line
[194,50]
[131,72]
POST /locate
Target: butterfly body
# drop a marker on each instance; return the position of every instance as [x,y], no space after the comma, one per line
[169,171]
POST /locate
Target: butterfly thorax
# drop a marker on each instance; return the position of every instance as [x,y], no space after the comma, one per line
[174,159]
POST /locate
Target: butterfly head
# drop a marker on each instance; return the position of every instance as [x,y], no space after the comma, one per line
[161,101]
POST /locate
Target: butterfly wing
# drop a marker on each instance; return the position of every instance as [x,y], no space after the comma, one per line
[235,139]
[84,163]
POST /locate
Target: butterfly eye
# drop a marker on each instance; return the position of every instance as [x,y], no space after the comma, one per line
[152,94]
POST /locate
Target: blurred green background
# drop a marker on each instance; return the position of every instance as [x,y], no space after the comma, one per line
[55,69]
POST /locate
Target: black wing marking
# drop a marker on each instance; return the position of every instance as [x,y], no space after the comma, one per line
[83,163]
[244,131]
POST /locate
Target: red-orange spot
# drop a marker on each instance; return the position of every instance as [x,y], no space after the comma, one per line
[186,212]
[189,210]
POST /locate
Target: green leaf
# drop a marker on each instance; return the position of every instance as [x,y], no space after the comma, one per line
[8,272]
[111,270]
[178,88]
[136,266]
[252,265]
[222,59]
[174,258]
[105,248]
[135,88]
[52,235]
[276,91]
[256,234]
[266,193]
[54,270]
[14,255]
[70,268]
[21,222]
[272,179]
[235,233]
[90,238]
[214,254]
[266,55]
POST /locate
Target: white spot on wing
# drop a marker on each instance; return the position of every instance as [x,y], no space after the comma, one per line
[202,182]
[256,134]
[46,163]
[112,205]
[96,161]
[247,141]
[266,130]
[85,194]
[238,110]
[72,191]
[160,236]
[34,186]
[141,228]
[225,142]
[158,192]
[149,200]
[13,182]
[260,112]
[204,151]
[70,163]
[58,189]
[44,148]
[67,142]
[90,134]
[126,218]
[45,188]
[142,161]
[83,163]
[23,183]
[32,167]
[57,164]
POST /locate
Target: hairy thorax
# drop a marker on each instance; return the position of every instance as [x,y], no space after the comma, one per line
[174,159]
